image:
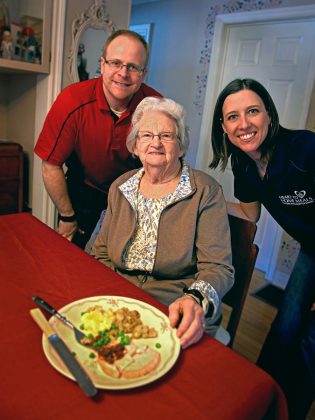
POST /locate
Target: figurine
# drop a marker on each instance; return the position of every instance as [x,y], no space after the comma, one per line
[83,74]
[6,45]
[30,44]
[19,46]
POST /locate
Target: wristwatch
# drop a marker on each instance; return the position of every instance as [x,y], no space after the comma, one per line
[67,219]
[202,300]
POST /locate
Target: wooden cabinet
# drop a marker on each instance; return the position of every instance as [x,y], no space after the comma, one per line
[23,26]
[11,178]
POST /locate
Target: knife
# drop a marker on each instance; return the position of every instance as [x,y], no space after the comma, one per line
[64,353]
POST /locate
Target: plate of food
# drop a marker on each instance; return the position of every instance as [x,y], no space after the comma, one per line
[128,343]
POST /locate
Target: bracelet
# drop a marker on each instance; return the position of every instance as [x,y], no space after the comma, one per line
[203,301]
[193,297]
[195,293]
[67,219]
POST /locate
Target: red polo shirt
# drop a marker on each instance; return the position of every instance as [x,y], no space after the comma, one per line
[80,121]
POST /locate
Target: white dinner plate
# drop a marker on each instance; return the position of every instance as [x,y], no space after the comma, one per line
[167,342]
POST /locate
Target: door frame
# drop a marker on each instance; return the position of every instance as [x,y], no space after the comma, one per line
[218,57]
[47,89]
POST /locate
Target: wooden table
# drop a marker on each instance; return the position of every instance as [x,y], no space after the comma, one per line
[209,380]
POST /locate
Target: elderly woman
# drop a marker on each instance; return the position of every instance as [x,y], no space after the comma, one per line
[166,227]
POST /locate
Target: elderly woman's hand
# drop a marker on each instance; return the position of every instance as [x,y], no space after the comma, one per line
[188,316]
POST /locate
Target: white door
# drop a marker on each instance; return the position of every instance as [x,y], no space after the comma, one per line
[279,54]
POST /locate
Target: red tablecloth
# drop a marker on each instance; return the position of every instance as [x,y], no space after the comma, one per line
[209,381]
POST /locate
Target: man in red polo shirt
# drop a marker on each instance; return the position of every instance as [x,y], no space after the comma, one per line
[86,129]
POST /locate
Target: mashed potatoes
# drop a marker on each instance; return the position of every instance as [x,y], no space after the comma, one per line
[95,320]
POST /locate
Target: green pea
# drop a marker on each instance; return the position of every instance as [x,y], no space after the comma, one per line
[125,340]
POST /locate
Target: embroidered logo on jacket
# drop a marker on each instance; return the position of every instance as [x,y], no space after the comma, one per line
[298,199]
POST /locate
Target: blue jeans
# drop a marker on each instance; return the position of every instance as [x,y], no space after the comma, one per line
[288,353]
[89,244]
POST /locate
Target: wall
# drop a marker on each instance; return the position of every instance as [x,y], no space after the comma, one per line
[181,49]
[20,122]
[177,29]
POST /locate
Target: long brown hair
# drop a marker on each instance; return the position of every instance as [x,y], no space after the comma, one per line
[221,145]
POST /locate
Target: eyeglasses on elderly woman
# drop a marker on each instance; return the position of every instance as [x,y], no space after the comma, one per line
[164,137]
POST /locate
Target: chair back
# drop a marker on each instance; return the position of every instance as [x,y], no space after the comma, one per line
[244,254]
[11,177]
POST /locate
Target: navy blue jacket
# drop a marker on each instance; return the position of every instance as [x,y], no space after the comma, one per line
[288,188]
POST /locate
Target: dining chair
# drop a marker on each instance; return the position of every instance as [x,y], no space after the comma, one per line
[244,254]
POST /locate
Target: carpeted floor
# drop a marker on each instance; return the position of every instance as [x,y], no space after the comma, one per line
[269,294]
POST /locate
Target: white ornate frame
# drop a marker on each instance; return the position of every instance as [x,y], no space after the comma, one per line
[95,17]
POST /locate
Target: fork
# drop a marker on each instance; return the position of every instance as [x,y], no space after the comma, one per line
[44,305]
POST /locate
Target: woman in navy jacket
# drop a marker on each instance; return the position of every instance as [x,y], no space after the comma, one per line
[275,167]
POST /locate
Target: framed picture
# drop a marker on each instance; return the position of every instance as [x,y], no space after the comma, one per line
[144,30]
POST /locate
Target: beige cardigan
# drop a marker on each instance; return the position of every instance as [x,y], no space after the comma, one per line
[193,240]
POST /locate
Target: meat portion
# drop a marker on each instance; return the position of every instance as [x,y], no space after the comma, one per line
[134,364]
[143,364]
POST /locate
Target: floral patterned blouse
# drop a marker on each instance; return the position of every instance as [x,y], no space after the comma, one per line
[139,253]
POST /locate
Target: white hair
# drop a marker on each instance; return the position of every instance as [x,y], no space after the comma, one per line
[165,105]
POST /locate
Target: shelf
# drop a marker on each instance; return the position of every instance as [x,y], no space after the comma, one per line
[10,66]
[15,66]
